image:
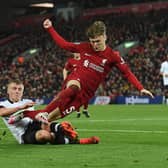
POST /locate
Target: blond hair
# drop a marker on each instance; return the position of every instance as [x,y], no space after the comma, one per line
[17,81]
[98,28]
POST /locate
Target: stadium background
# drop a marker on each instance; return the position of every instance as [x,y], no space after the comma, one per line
[23,38]
[131,136]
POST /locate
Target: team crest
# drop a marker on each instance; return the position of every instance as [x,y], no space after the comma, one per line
[103,62]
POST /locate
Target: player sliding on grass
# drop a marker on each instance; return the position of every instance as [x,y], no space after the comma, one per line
[27,131]
[97,60]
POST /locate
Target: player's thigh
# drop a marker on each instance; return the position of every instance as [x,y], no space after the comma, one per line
[73,106]
[34,134]
[73,82]
[29,137]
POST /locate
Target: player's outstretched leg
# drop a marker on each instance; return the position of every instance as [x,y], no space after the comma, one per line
[15,118]
[42,117]
[63,98]
[69,130]
[91,140]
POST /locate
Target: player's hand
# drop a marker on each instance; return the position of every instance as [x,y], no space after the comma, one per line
[47,23]
[27,105]
[147,92]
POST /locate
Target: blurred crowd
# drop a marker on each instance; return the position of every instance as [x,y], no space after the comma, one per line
[42,74]
[90,4]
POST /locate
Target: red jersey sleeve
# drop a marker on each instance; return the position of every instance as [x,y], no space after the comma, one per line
[62,42]
[67,65]
[125,70]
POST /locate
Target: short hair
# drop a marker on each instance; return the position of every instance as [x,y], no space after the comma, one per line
[98,28]
[17,81]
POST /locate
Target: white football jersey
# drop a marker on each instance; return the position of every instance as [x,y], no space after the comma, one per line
[18,128]
[164,70]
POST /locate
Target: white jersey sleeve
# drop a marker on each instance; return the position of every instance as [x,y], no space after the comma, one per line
[164,70]
[17,129]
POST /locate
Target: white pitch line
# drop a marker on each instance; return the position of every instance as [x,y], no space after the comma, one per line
[123,131]
[3,128]
[124,120]
[116,131]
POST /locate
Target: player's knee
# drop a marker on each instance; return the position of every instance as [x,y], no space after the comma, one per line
[73,83]
[43,136]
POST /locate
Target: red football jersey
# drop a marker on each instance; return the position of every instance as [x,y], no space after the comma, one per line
[94,66]
[71,64]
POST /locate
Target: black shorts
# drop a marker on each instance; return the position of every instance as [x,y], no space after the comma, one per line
[60,139]
[29,137]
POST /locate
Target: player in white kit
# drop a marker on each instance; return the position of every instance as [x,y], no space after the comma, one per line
[15,103]
[27,131]
[164,73]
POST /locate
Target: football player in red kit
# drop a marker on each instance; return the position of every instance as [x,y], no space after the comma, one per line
[97,60]
[70,66]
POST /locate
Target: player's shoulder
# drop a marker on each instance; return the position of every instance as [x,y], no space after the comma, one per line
[7,101]
[164,63]
[114,56]
[71,61]
[84,45]
[111,53]
[4,102]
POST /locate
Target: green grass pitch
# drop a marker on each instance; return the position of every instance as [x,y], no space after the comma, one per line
[132,136]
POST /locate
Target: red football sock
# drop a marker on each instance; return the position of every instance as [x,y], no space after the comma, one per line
[91,140]
[63,98]
[32,114]
[85,141]
[68,92]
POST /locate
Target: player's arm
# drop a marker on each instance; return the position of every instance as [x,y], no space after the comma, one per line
[66,69]
[65,73]
[124,69]
[162,70]
[8,111]
[164,74]
[47,24]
